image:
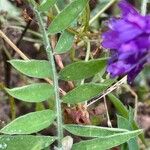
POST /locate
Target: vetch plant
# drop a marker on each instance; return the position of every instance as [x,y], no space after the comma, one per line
[87,79]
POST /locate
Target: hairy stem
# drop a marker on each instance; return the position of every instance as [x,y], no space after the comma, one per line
[55,78]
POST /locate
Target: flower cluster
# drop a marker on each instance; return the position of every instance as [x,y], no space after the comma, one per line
[129,40]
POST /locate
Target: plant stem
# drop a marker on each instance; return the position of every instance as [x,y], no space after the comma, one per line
[88,49]
[144,7]
[12,108]
[28,31]
[55,78]
[87,53]
[57,9]
[86,18]
[101,11]
[107,113]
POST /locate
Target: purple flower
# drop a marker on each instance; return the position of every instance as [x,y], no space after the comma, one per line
[129,40]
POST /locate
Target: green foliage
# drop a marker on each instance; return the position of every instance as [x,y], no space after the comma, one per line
[25,142]
[92,131]
[125,124]
[123,111]
[33,68]
[36,92]
[30,123]
[46,5]
[67,16]
[101,133]
[65,43]
[106,142]
[82,70]
[85,92]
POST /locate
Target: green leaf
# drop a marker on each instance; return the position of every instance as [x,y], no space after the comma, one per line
[33,68]
[65,43]
[106,142]
[82,70]
[125,124]
[67,16]
[122,110]
[30,123]
[85,92]
[92,131]
[133,144]
[141,136]
[46,5]
[25,142]
[36,92]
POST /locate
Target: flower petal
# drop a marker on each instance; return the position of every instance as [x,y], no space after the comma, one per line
[129,40]
[110,40]
[134,72]
[118,68]
[127,8]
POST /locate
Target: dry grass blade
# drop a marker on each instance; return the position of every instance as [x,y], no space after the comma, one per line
[113,87]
